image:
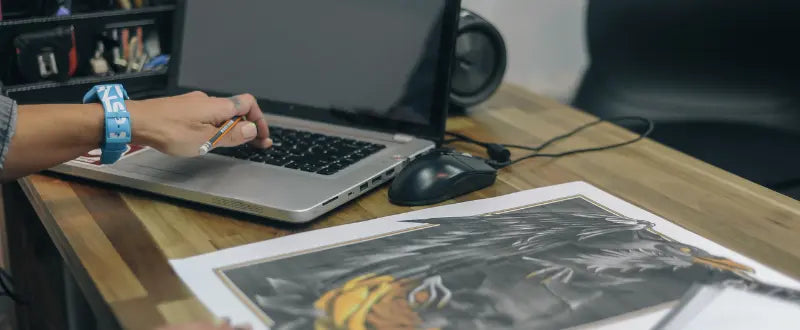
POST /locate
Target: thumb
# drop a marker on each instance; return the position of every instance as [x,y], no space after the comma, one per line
[240,134]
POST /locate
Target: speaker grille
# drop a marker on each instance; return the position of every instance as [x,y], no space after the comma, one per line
[476,62]
[480,61]
[239,205]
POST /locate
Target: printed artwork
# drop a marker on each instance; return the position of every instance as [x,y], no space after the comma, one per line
[549,266]
[93,157]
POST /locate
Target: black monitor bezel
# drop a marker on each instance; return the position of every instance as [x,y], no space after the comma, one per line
[434,130]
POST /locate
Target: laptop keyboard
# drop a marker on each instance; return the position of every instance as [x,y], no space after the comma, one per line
[305,151]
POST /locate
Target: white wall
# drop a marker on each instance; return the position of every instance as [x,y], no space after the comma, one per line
[545,40]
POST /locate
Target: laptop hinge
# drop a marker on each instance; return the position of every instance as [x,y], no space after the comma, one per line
[403,138]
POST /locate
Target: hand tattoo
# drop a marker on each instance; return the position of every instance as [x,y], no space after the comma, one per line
[236,103]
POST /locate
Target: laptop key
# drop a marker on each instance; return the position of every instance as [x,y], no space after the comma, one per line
[293,158]
[319,162]
[346,161]
[274,153]
[346,149]
[328,170]
[282,151]
[300,156]
[310,168]
[300,147]
[276,161]
[338,165]
[319,150]
[332,168]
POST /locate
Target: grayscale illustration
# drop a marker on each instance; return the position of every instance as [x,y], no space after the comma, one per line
[550,266]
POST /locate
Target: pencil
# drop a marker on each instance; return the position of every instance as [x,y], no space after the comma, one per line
[206,147]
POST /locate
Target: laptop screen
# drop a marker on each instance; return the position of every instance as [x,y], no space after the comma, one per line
[369,62]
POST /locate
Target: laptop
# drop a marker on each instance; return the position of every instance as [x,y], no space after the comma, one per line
[352,91]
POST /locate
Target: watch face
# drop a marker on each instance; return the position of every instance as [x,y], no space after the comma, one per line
[93,157]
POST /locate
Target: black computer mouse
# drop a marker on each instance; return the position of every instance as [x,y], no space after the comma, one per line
[438,176]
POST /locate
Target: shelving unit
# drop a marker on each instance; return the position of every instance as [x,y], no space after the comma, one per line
[142,84]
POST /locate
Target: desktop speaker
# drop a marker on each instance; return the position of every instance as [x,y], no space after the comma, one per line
[480,62]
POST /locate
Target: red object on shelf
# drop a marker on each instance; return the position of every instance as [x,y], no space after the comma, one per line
[73,57]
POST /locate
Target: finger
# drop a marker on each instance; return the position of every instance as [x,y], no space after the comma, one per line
[242,133]
[259,141]
[218,110]
[246,105]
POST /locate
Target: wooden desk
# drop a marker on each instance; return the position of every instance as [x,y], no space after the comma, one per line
[116,244]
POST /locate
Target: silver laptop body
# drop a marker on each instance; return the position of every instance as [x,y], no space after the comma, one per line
[278,192]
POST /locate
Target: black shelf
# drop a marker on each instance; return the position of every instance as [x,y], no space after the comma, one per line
[139,85]
[104,15]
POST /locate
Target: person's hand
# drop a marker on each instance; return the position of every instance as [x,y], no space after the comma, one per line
[224,325]
[179,125]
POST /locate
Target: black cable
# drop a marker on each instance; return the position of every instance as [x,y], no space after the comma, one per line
[499,162]
[6,290]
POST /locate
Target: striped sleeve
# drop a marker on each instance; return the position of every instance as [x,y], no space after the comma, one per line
[8,121]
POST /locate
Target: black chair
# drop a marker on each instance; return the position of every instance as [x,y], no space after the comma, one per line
[721,79]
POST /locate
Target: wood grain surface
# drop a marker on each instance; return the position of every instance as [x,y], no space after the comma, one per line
[116,243]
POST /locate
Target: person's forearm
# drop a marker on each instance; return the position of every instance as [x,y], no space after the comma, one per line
[47,135]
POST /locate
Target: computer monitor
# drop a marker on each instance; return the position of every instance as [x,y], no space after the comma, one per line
[382,64]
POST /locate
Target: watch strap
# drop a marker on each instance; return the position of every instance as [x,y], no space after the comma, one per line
[117,120]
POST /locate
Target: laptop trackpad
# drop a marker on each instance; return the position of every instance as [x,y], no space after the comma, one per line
[161,166]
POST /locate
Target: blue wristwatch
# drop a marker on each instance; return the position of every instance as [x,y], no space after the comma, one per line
[117,120]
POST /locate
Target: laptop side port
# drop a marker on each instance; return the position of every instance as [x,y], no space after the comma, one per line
[389,173]
[330,201]
[364,186]
[376,180]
